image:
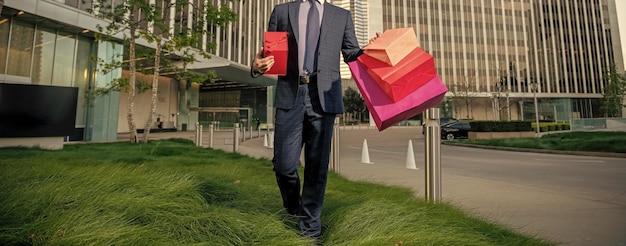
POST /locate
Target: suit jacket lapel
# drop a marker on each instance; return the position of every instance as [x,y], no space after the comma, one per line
[294,9]
[327,20]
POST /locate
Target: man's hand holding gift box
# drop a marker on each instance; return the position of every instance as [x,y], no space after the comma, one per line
[275,45]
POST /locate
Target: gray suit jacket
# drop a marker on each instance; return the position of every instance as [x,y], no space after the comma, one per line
[336,36]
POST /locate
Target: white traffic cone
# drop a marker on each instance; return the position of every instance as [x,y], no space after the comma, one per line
[365,154]
[265,140]
[410,157]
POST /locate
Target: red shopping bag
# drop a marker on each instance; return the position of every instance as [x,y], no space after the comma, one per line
[275,44]
[386,112]
[400,80]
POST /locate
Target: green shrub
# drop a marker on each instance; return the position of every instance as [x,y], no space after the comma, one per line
[551,126]
[500,126]
[613,142]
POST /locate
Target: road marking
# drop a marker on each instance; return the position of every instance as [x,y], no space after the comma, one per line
[581,161]
[375,150]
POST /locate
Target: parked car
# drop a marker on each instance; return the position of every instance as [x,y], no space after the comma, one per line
[446,120]
[442,121]
[455,130]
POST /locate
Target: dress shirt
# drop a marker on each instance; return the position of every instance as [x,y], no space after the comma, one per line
[302,17]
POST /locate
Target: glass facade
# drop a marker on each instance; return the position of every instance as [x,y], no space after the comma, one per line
[45,56]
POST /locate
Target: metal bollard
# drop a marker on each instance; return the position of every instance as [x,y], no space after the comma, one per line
[243,133]
[197,136]
[236,137]
[270,143]
[433,155]
[199,129]
[211,136]
[334,149]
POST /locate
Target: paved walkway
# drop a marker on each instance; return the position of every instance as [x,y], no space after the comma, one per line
[467,193]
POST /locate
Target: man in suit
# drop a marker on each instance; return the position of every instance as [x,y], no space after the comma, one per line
[307,100]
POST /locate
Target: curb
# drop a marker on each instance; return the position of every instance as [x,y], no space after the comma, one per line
[546,151]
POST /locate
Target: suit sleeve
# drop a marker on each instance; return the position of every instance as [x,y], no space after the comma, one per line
[271,27]
[350,47]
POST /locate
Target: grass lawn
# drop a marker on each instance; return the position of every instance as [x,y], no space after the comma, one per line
[170,192]
[613,142]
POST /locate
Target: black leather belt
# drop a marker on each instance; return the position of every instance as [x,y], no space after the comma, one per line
[305,79]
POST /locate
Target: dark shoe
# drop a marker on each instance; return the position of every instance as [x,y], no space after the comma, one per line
[316,240]
[293,211]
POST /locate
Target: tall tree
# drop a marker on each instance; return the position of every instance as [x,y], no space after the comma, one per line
[505,77]
[354,103]
[614,91]
[139,20]
[464,94]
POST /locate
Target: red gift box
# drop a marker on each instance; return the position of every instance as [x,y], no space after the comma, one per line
[386,112]
[275,44]
[398,81]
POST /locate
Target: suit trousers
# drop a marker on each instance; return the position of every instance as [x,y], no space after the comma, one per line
[305,124]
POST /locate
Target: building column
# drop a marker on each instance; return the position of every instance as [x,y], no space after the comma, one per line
[188,97]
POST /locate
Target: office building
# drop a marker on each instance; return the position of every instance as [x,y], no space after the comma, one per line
[496,57]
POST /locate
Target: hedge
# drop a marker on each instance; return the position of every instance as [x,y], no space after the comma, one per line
[501,126]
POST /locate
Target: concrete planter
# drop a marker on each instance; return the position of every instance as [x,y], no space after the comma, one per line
[496,135]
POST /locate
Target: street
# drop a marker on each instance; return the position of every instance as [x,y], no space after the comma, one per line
[573,200]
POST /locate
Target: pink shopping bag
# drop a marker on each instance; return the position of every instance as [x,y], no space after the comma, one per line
[406,76]
[386,112]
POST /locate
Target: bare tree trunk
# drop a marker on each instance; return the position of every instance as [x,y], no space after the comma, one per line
[468,103]
[131,82]
[155,90]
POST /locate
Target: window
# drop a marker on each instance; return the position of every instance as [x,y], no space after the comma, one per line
[20,52]
[4,42]
[43,59]
[82,75]
[64,60]
[73,3]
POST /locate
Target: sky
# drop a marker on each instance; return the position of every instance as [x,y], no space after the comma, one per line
[620,6]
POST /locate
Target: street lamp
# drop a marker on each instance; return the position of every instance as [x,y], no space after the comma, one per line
[534,87]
